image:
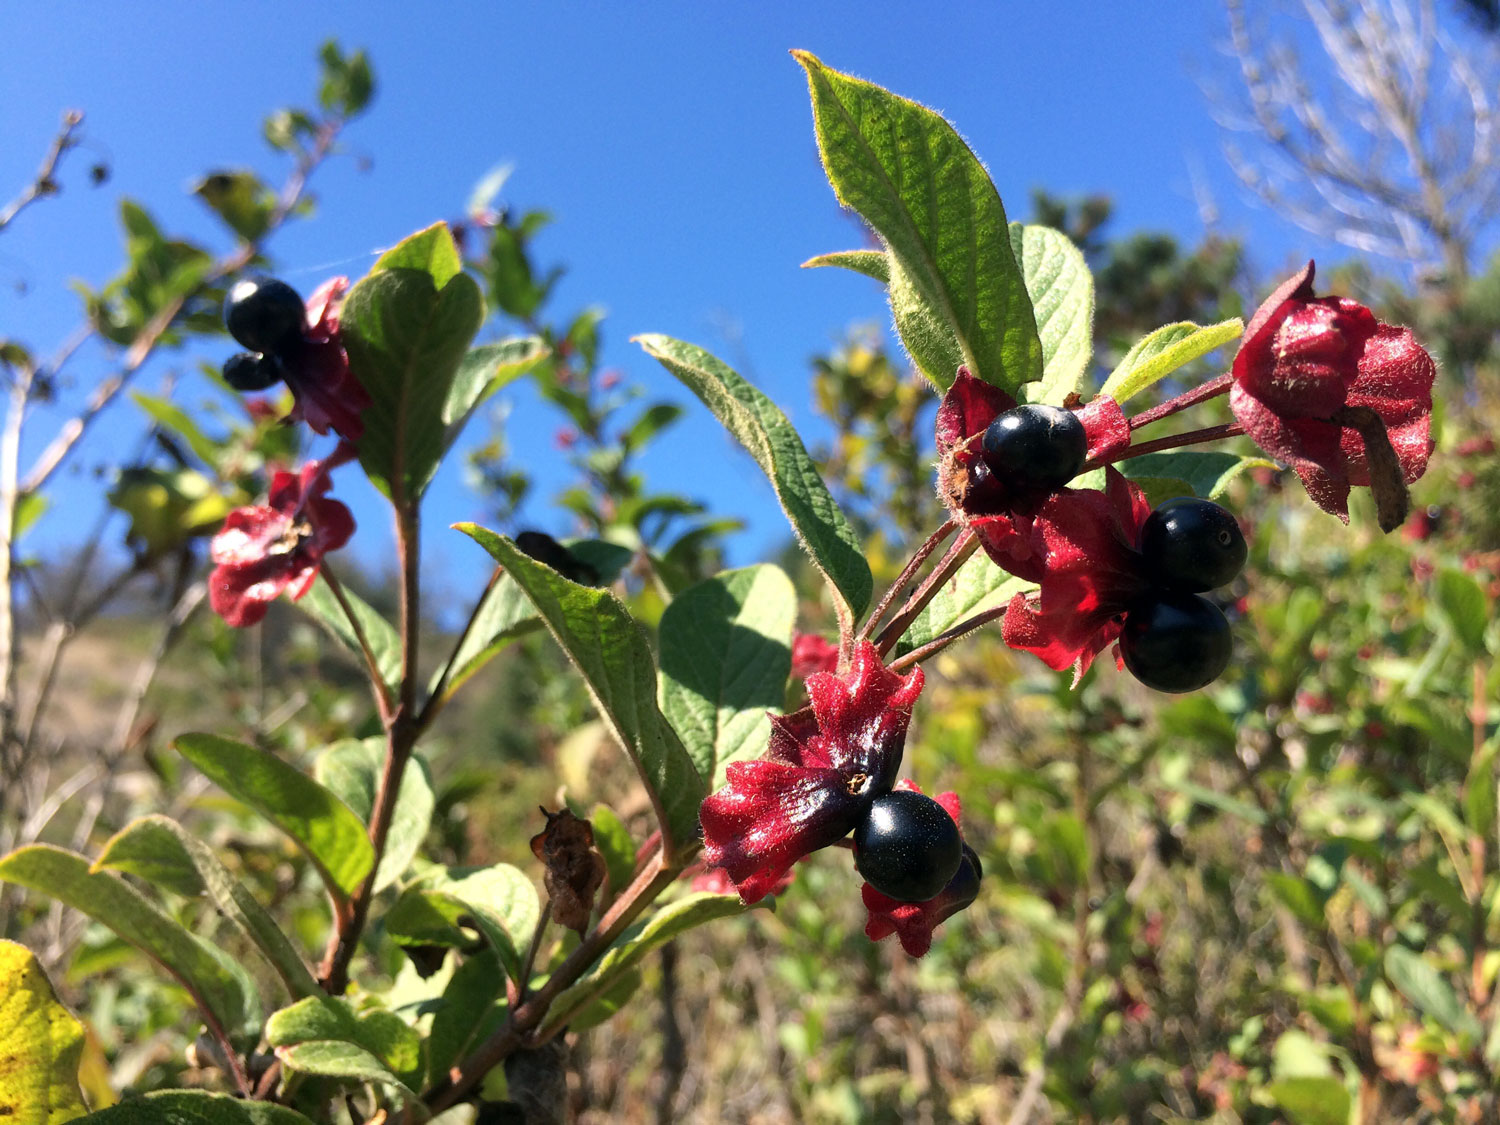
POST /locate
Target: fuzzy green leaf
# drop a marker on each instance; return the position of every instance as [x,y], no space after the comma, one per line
[41,1044]
[1188,472]
[1061,288]
[482,372]
[385,643]
[498,901]
[351,771]
[193,1107]
[471,1007]
[431,250]
[1428,991]
[871,263]
[956,291]
[1162,352]
[725,657]
[1309,1100]
[393,1042]
[316,821]
[765,431]
[978,586]
[350,1062]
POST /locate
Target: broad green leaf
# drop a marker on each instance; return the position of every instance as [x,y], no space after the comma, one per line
[1464,607]
[160,851]
[725,658]
[672,920]
[499,901]
[41,1045]
[1297,895]
[482,372]
[979,585]
[615,844]
[1188,472]
[240,199]
[1157,355]
[1312,1101]
[385,644]
[471,1007]
[871,263]
[317,821]
[108,899]
[1061,288]
[351,768]
[407,331]
[393,1042]
[764,430]
[955,288]
[1479,790]
[169,415]
[332,1058]
[1429,991]
[193,1107]
[611,650]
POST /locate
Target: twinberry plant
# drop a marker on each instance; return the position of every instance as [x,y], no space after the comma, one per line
[1077,527]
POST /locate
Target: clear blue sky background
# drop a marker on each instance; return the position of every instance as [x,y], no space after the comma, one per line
[672,142]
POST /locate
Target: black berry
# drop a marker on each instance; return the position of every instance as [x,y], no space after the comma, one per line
[249,372]
[1175,641]
[1035,449]
[265,315]
[907,847]
[1192,545]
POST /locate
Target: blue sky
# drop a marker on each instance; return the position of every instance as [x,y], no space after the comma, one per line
[672,142]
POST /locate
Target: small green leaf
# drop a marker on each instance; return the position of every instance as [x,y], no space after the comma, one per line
[351,769]
[956,291]
[385,643]
[108,899]
[1312,1101]
[1298,896]
[482,372]
[316,821]
[672,920]
[765,431]
[1157,355]
[240,199]
[471,1007]
[193,1107]
[1479,790]
[393,1042]
[1464,606]
[871,263]
[30,507]
[978,586]
[407,330]
[1061,288]
[1188,472]
[1429,991]
[499,901]
[615,844]
[41,1045]
[160,851]
[611,650]
[350,1062]
[167,414]
[725,658]
[604,1006]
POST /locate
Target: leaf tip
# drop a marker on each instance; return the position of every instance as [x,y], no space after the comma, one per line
[807,59]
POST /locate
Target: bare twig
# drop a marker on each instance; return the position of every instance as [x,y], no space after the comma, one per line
[45,183]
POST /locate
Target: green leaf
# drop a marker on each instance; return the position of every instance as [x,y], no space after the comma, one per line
[672,920]
[955,289]
[347,1061]
[384,642]
[653,420]
[1061,288]
[871,263]
[167,414]
[499,901]
[108,899]
[1428,991]
[160,851]
[1298,896]
[979,585]
[193,1107]
[1188,472]
[240,199]
[1312,1101]
[764,430]
[725,658]
[30,507]
[615,844]
[407,330]
[471,1007]
[1157,355]
[1464,606]
[387,1037]
[351,769]
[482,372]
[41,1045]
[316,821]
[611,650]
[606,1004]
[1479,790]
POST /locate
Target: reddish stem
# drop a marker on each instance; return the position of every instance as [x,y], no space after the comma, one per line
[1211,389]
[1174,441]
[914,564]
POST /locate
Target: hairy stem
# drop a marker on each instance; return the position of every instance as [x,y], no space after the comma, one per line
[1211,389]
[943,640]
[1174,441]
[964,546]
[922,553]
[372,666]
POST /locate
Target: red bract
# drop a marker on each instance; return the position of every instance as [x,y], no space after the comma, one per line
[328,395]
[1308,366]
[1000,515]
[818,777]
[267,548]
[913,922]
[1091,574]
[811,653]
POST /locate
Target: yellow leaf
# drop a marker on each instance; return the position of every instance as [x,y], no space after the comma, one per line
[40,1045]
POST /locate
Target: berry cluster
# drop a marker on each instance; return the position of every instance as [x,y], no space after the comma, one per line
[268,317]
[1174,639]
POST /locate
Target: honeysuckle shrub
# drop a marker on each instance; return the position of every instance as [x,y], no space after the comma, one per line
[764,732]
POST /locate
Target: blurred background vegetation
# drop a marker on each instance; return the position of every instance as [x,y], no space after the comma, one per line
[1273,900]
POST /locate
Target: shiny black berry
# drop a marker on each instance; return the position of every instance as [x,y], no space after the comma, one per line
[264,315]
[907,847]
[1175,641]
[1192,545]
[250,372]
[1035,449]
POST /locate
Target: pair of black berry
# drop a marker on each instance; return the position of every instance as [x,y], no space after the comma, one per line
[1175,640]
[268,317]
[907,847]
